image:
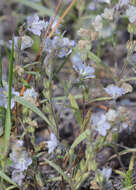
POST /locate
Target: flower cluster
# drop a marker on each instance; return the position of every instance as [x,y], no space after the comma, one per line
[20,161]
[97,23]
[131,13]
[21,42]
[114,91]
[52,143]
[104,176]
[4,96]
[100,123]
[60,46]
[30,95]
[35,25]
[84,71]
[106,173]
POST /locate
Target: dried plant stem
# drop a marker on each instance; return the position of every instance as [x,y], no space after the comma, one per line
[61,18]
[48,29]
[50,35]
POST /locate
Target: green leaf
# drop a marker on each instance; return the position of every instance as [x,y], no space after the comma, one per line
[120,173]
[6,178]
[8,114]
[84,177]
[129,188]
[58,169]
[78,140]
[131,163]
[41,9]
[32,107]
[1,84]
[96,59]
[11,187]
[76,110]
[7,131]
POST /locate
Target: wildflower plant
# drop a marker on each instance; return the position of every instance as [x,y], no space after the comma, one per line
[77,62]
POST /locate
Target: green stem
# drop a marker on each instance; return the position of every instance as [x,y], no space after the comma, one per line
[1,84]
[8,113]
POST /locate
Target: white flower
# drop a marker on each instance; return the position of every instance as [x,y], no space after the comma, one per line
[106,173]
[61,46]
[123,3]
[53,25]
[107,31]
[76,59]
[97,23]
[114,91]
[111,115]
[100,124]
[84,71]
[30,93]
[17,177]
[35,25]
[105,1]
[35,1]
[24,42]
[52,143]
[123,126]
[131,13]
[20,160]
[4,96]
[19,143]
[108,14]
[92,6]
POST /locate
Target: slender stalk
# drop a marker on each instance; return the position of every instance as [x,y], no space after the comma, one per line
[61,18]
[51,100]
[1,84]
[8,112]
[50,35]
[41,47]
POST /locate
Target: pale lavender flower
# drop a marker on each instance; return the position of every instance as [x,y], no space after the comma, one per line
[111,115]
[24,42]
[105,1]
[108,14]
[84,71]
[123,126]
[20,160]
[100,124]
[131,13]
[19,143]
[107,31]
[123,3]
[106,173]
[17,177]
[53,25]
[30,93]
[35,25]
[75,58]
[62,47]
[4,96]
[19,156]
[97,23]
[114,91]
[52,143]
[92,6]
[35,1]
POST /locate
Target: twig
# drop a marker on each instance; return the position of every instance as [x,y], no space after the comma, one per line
[50,35]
